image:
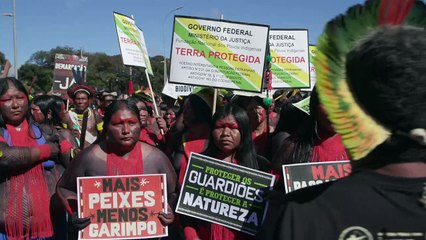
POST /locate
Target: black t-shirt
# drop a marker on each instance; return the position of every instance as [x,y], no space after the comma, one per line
[363,206]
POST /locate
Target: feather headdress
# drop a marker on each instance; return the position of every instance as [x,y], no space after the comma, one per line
[359,131]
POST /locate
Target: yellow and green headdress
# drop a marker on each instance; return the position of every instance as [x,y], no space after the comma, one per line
[360,132]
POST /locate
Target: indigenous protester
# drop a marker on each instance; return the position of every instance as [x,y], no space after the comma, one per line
[24,151]
[230,141]
[148,133]
[105,99]
[292,122]
[194,137]
[316,141]
[58,117]
[82,95]
[50,110]
[259,125]
[378,104]
[117,153]
[169,117]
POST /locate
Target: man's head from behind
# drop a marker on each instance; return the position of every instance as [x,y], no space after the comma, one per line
[386,73]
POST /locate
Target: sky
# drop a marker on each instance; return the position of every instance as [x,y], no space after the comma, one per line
[89,24]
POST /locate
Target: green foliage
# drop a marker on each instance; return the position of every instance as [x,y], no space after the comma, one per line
[103,71]
[44,77]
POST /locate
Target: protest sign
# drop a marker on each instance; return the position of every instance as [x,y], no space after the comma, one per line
[175,90]
[263,94]
[303,105]
[297,176]
[312,71]
[122,207]
[218,53]
[129,39]
[63,77]
[290,58]
[224,193]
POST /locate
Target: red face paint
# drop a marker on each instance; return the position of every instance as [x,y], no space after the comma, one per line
[13,106]
[123,129]
[223,124]
[38,116]
[226,134]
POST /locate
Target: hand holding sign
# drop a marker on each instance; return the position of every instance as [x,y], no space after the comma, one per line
[76,224]
[167,218]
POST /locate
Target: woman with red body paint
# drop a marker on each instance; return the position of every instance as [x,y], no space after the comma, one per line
[24,148]
[118,152]
[230,141]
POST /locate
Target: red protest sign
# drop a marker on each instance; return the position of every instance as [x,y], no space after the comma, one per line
[122,207]
[302,175]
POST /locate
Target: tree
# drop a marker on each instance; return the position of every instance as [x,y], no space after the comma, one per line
[47,58]
[43,75]
[103,71]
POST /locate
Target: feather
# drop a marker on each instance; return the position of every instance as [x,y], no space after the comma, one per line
[360,132]
[393,12]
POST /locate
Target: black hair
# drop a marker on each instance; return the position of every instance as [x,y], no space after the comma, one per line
[291,118]
[56,110]
[202,111]
[118,105]
[386,74]
[134,99]
[304,141]
[45,103]
[245,152]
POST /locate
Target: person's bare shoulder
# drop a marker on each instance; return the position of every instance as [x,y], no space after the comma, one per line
[92,159]
[69,136]
[154,159]
[150,152]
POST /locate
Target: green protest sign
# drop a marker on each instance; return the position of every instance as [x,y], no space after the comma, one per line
[303,105]
[218,53]
[290,58]
[224,193]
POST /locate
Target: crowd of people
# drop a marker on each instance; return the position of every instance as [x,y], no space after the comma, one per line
[45,144]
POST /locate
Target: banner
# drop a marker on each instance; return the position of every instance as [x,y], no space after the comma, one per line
[129,39]
[145,53]
[224,193]
[312,71]
[290,58]
[122,207]
[62,73]
[263,94]
[175,90]
[301,175]
[218,53]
